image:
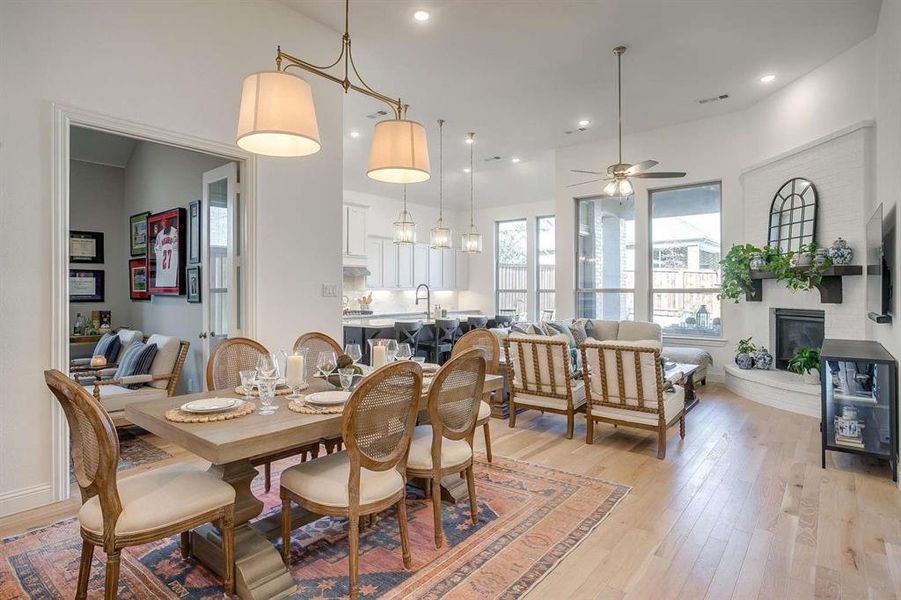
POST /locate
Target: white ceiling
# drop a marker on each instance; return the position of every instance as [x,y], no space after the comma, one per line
[93,146]
[520,73]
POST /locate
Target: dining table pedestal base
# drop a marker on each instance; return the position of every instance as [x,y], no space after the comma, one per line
[453,488]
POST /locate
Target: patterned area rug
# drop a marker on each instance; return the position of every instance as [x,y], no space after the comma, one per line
[134,450]
[530,517]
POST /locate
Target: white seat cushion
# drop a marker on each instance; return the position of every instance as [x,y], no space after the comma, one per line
[160,498]
[484,411]
[673,402]
[115,397]
[164,361]
[578,391]
[453,452]
[324,481]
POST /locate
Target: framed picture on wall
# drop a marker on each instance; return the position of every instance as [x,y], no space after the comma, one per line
[193,277]
[166,252]
[86,247]
[86,285]
[137,279]
[137,227]
[194,232]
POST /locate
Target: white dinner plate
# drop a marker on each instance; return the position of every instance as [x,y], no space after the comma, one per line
[328,398]
[211,405]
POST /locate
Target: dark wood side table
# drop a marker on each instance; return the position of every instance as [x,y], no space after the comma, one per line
[688,382]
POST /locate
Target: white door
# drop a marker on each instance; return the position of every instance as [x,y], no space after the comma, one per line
[355,231]
[220,271]
[448,269]
[374,254]
[435,278]
[405,266]
[420,264]
[389,264]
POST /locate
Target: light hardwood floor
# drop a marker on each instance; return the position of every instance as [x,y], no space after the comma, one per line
[740,509]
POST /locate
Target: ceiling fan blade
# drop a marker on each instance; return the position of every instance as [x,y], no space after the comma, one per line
[660,175]
[642,166]
[586,182]
[589,172]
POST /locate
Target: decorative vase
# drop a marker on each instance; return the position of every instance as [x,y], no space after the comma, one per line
[840,252]
[763,360]
[757,262]
[811,377]
[744,360]
[821,256]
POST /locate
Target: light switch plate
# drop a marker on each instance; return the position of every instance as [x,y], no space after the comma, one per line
[329,290]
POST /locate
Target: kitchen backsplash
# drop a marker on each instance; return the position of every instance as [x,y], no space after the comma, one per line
[399,301]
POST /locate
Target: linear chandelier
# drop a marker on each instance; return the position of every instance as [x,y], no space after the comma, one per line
[278,118]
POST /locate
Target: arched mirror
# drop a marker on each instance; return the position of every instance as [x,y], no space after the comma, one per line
[793,215]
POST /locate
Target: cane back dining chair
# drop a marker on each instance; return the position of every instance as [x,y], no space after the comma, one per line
[316,342]
[223,372]
[444,447]
[625,386]
[149,506]
[368,477]
[540,377]
[491,347]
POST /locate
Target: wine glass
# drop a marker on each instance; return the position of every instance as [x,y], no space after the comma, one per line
[326,363]
[354,352]
[404,352]
[248,380]
[346,377]
[391,350]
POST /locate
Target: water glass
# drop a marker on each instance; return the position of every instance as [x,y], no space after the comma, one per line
[267,367]
[326,362]
[354,352]
[391,350]
[346,377]
[404,352]
[267,395]
[248,380]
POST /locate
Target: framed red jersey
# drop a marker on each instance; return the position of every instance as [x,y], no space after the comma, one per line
[166,252]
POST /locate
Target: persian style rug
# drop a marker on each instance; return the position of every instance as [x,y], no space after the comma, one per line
[134,450]
[530,517]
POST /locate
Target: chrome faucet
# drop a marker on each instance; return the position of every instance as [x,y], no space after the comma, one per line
[428,299]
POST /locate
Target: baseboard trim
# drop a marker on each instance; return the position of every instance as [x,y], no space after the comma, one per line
[27,498]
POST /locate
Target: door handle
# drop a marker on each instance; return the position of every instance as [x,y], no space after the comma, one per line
[212,334]
[202,335]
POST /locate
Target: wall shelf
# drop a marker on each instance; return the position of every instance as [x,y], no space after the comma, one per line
[830,286]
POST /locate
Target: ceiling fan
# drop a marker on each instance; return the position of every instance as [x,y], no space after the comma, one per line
[618,175]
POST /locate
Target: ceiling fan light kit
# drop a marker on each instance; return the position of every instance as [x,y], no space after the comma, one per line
[619,175]
[440,236]
[277,117]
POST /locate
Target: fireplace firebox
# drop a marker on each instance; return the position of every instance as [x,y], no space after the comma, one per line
[791,329]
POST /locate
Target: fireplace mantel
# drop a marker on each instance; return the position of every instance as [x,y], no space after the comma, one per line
[830,285]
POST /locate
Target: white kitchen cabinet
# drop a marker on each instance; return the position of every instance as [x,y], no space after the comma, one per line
[389,264]
[448,269]
[355,240]
[405,267]
[462,265]
[420,264]
[436,280]
[374,262]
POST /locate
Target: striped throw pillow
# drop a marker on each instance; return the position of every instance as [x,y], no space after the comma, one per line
[108,347]
[136,360]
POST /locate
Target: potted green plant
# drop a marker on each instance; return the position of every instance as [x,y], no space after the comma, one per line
[806,363]
[736,271]
[744,356]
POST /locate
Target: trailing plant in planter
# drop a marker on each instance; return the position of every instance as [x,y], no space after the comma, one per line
[805,362]
[744,353]
[736,276]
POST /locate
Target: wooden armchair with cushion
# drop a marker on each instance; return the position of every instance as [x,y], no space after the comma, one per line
[625,386]
[115,388]
[540,376]
[150,506]
[223,372]
[487,342]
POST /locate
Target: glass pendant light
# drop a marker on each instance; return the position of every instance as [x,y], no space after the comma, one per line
[440,236]
[471,240]
[404,227]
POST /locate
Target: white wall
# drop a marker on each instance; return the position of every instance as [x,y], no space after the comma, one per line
[96,193]
[174,66]
[159,178]
[834,96]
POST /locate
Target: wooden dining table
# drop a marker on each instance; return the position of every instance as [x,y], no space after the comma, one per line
[231,446]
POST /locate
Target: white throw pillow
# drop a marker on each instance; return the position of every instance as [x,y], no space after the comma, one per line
[167,353]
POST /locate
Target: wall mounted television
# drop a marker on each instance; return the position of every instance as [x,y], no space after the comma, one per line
[880,262]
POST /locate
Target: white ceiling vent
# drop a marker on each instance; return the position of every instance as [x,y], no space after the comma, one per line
[377,114]
[491,158]
[719,98]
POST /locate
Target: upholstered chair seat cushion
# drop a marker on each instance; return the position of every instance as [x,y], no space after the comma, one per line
[673,402]
[166,355]
[484,411]
[155,499]
[115,397]
[324,481]
[578,389]
[453,452]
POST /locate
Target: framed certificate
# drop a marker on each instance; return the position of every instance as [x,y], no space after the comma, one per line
[137,279]
[137,228]
[194,232]
[86,285]
[86,247]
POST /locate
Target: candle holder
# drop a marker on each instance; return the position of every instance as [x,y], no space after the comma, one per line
[98,361]
[381,351]
[296,372]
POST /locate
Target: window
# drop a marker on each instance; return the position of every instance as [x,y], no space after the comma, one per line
[545,250]
[605,258]
[685,254]
[510,256]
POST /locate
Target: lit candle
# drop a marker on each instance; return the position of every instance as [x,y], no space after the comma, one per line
[379,356]
[98,360]
[294,371]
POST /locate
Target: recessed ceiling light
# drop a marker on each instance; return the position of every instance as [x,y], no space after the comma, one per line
[421,15]
[354,134]
[514,159]
[466,170]
[584,123]
[469,140]
[768,78]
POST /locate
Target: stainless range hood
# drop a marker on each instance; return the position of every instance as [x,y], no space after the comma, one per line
[350,271]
